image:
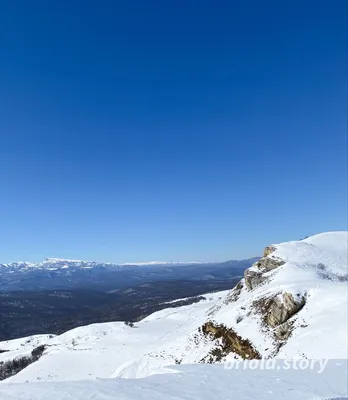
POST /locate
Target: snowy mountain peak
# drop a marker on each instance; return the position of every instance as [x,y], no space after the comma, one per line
[18,264]
[61,260]
[49,263]
[66,263]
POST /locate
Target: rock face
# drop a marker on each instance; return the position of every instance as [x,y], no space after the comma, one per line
[281,308]
[235,293]
[277,310]
[255,275]
[253,278]
[230,342]
[269,250]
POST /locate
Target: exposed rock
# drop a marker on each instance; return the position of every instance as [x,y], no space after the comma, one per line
[283,332]
[267,264]
[231,297]
[276,310]
[231,342]
[269,250]
[235,293]
[254,276]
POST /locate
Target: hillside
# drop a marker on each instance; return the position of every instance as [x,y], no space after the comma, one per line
[291,304]
[196,382]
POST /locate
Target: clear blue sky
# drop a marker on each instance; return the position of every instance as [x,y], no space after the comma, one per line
[170,130]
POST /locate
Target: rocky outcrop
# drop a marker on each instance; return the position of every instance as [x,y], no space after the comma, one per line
[277,310]
[235,293]
[230,342]
[269,250]
[284,331]
[253,278]
[231,297]
[255,275]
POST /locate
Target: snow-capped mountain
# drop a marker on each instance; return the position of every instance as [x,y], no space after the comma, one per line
[57,263]
[48,264]
[291,304]
[56,273]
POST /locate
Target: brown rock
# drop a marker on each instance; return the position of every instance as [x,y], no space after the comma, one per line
[254,276]
[231,342]
[276,310]
[269,250]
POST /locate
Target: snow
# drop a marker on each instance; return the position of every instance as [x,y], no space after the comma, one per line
[322,323]
[20,264]
[181,299]
[328,249]
[110,349]
[198,382]
[61,260]
[21,347]
[66,263]
[92,361]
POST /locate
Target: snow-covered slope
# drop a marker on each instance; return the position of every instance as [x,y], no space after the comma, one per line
[104,350]
[292,303]
[196,382]
[12,349]
[298,289]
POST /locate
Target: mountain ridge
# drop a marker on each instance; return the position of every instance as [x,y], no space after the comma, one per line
[54,261]
[63,274]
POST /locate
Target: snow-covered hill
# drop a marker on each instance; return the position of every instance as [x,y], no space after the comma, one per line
[196,382]
[291,304]
[102,350]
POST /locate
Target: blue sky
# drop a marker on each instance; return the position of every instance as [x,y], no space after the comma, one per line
[170,130]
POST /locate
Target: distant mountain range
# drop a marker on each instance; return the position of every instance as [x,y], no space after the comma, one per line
[57,263]
[57,273]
